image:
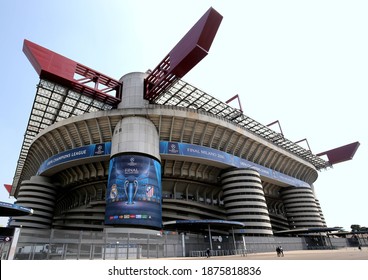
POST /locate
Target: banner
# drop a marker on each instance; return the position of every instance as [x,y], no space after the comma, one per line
[175,148]
[184,149]
[133,195]
[93,150]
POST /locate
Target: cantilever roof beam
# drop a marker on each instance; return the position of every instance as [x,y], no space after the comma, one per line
[239,103]
[277,121]
[64,71]
[342,153]
[190,50]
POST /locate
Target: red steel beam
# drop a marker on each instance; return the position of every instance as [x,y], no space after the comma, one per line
[190,50]
[233,98]
[62,70]
[277,121]
[342,153]
[8,187]
[306,141]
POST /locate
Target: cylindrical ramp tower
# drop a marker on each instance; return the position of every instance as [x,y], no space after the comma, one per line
[133,90]
[134,189]
[39,194]
[321,213]
[301,208]
[245,201]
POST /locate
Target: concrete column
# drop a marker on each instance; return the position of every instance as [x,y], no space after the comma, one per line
[245,202]
[135,135]
[39,194]
[134,189]
[301,208]
[133,90]
[183,243]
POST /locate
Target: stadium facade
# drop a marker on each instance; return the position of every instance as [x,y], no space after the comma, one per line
[151,155]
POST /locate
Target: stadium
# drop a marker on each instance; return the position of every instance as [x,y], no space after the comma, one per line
[151,166]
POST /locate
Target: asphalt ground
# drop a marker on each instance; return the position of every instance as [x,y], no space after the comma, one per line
[339,254]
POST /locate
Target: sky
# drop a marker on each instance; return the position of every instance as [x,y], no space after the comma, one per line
[303,63]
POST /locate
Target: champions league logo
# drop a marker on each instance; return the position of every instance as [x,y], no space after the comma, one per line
[131,169]
[132,162]
[173,148]
[100,149]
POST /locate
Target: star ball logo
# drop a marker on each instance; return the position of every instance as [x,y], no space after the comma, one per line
[132,162]
[131,169]
[173,148]
[99,149]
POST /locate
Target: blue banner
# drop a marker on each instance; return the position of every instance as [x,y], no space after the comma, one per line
[175,148]
[74,154]
[7,205]
[133,195]
[184,149]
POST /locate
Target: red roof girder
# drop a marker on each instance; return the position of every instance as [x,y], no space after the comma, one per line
[190,50]
[8,187]
[62,70]
[342,153]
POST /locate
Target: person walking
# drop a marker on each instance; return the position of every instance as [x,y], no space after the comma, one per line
[281,251]
[278,251]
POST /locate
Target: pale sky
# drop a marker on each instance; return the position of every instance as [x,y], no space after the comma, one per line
[304,63]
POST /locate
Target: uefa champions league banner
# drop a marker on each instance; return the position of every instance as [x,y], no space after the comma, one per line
[184,149]
[93,150]
[174,148]
[133,195]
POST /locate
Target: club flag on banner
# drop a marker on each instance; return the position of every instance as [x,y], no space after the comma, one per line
[150,191]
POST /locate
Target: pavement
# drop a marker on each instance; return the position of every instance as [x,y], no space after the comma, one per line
[338,254]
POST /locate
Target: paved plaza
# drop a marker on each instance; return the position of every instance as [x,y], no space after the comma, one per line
[340,254]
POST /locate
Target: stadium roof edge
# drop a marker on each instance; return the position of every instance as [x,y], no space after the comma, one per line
[182,94]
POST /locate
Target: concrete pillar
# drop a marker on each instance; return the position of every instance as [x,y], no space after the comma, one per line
[133,90]
[245,202]
[301,208]
[134,188]
[39,194]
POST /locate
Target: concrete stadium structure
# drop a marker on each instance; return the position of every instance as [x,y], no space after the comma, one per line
[200,166]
